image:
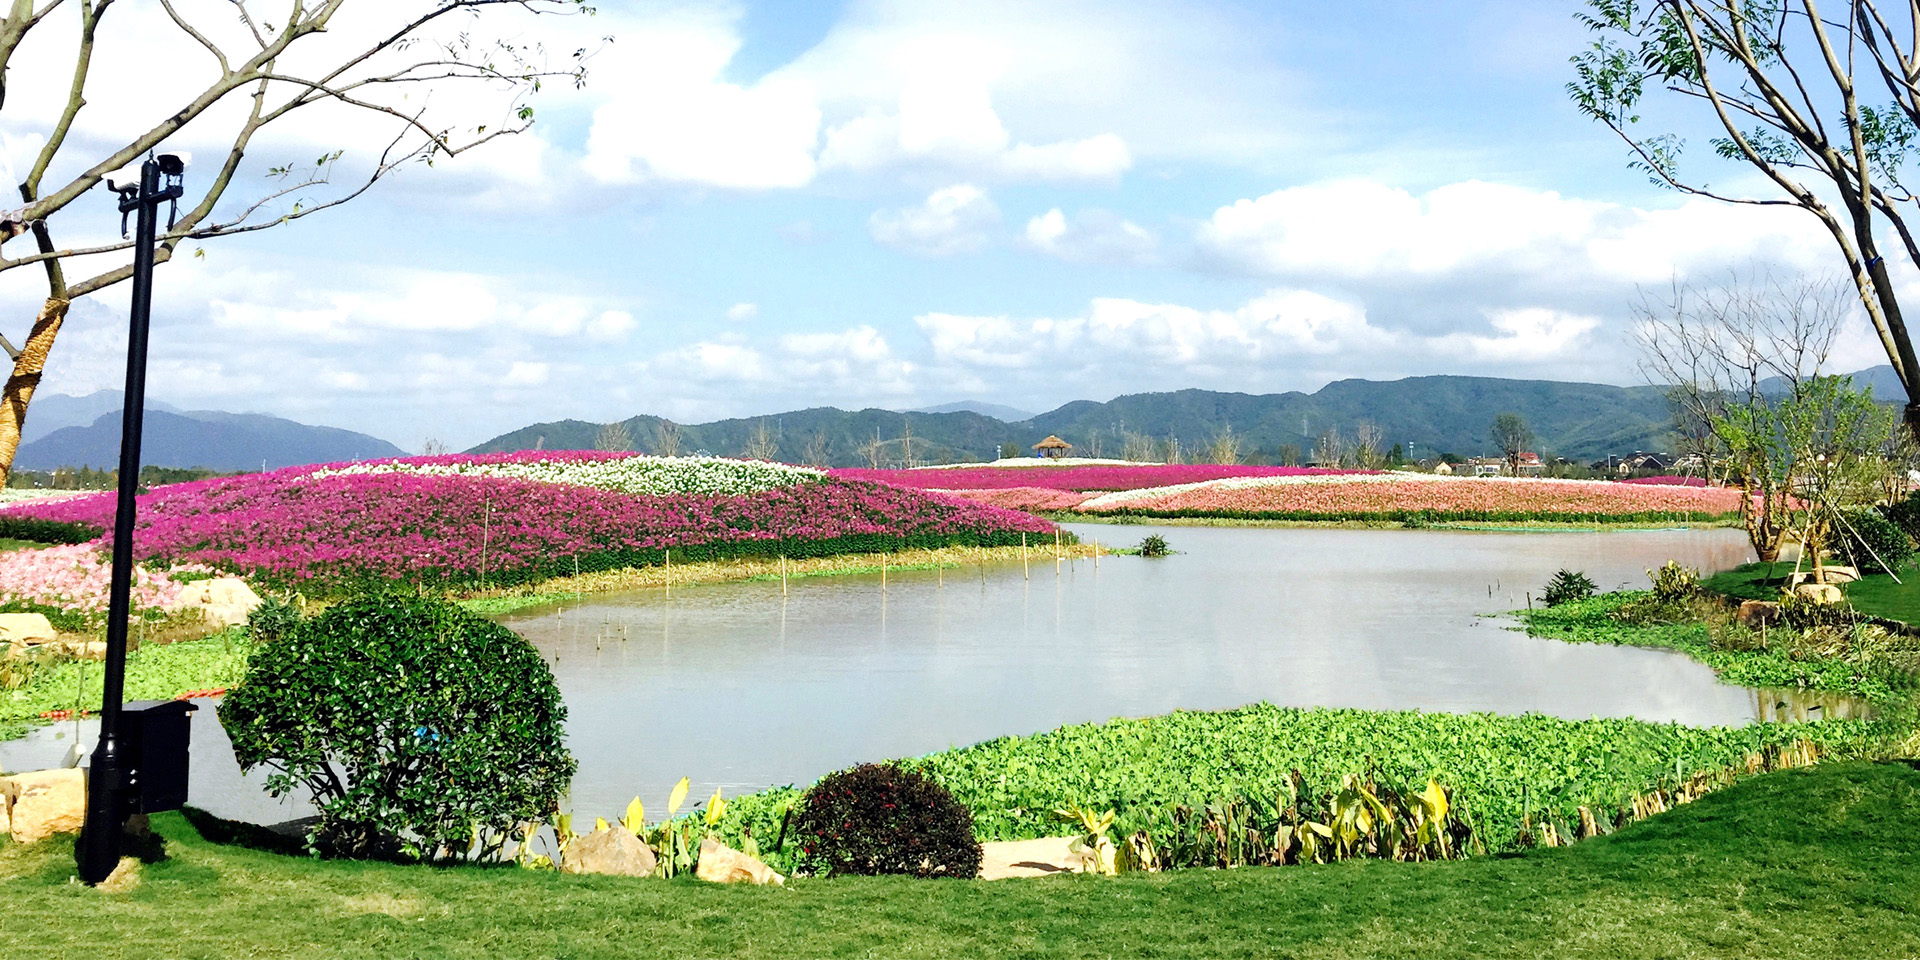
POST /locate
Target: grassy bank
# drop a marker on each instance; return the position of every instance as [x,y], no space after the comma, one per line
[1872,670]
[1813,863]
[558,589]
[1876,594]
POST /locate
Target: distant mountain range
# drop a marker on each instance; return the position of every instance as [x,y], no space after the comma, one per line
[994,410]
[57,436]
[1429,415]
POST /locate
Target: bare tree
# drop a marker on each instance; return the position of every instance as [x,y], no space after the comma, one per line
[1367,446]
[1730,351]
[1137,447]
[433,447]
[818,451]
[1226,447]
[761,443]
[872,450]
[614,438]
[1289,454]
[274,58]
[1793,94]
[666,439]
[1331,449]
[1511,436]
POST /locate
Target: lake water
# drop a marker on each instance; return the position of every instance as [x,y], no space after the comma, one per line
[736,686]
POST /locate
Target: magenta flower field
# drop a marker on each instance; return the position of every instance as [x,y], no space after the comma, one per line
[1385,496]
[1080,478]
[294,527]
[1023,498]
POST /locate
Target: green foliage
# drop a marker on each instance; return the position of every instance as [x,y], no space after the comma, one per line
[272,619]
[154,672]
[1566,587]
[1873,542]
[1153,545]
[62,619]
[1905,514]
[411,722]
[884,818]
[1673,582]
[46,531]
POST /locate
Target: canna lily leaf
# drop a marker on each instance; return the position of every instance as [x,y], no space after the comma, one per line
[679,796]
[635,819]
[716,808]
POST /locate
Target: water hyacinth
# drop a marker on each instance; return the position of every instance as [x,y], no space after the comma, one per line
[625,472]
[1389,495]
[1081,478]
[337,528]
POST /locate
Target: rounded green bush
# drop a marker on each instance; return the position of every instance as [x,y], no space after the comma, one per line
[1567,586]
[1874,542]
[412,722]
[884,818]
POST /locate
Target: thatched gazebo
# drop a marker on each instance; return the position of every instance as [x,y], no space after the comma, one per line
[1052,448]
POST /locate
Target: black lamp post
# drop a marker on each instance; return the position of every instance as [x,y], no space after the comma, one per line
[112,783]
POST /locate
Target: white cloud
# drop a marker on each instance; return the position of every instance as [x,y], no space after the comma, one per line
[1093,236]
[1527,335]
[611,325]
[743,311]
[1362,230]
[953,220]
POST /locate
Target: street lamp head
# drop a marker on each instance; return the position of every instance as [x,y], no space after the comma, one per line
[175,164]
[125,180]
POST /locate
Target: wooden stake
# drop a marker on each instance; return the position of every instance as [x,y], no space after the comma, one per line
[669,573]
[783,574]
[883,573]
[1024,571]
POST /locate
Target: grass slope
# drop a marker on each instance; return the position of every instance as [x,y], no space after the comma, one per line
[1807,863]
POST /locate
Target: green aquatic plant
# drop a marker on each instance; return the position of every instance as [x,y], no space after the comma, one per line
[1153,545]
[1566,587]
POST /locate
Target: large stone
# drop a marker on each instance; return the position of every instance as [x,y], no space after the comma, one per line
[26,628]
[45,803]
[720,863]
[223,601]
[1820,592]
[1006,859]
[613,851]
[6,807]
[1755,614]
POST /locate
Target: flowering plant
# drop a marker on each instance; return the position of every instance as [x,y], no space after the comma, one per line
[1083,478]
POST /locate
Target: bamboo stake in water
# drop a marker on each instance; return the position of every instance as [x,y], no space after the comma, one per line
[669,573]
[883,573]
[1023,558]
[783,574]
[1056,552]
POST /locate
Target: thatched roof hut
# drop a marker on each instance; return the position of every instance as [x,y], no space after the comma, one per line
[1052,446]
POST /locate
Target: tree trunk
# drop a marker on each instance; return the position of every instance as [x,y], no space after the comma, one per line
[26,378]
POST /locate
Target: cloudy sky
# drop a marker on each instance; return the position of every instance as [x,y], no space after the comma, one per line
[754,207]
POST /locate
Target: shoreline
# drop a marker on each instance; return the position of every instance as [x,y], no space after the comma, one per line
[1489,526]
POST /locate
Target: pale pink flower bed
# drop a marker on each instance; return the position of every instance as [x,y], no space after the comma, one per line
[77,578]
[1022,498]
[1463,498]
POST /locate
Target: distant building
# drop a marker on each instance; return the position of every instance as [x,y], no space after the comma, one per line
[1443,468]
[1052,448]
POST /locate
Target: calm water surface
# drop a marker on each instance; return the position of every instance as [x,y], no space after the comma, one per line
[738,687]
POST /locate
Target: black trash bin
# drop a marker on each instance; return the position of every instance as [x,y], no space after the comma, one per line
[156,735]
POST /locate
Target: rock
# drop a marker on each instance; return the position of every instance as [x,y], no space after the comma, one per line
[1820,592]
[46,803]
[1754,614]
[125,877]
[26,628]
[1838,574]
[1005,859]
[6,806]
[612,851]
[82,649]
[720,863]
[223,601]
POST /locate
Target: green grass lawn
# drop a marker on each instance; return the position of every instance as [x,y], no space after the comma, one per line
[1876,594]
[1806,863]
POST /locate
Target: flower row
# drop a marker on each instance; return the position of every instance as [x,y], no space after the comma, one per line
[1398,494]
[77,577]
[624,472]
[335,528]
[1081,478]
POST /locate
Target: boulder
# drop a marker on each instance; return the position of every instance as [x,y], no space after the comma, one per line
[1837,574]
[83,649]
[223,601]
[26,628]
[46,803]
[6,806]
[1755,614]
[1820,592]
[720,863]
[613,851]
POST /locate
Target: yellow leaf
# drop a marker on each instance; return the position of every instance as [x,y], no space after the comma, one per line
[716,808]
[1435,799]
[636,817]
[599,824]
[679,796]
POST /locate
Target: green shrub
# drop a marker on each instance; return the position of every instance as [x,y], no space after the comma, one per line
[412,722]
[876,819]
[1673,582]
[1154,545]
[1905,514]
[1874,542]
[1567,587]
[272,619]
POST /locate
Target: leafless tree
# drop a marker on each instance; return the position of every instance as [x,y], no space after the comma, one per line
[761,443]
[1368,446]
[270,57]
[433,447]
[1825,106]
[666,439]
[613,437]
[1331,449]
[1728,351]
[1511,436]
[819,450]
[1227,447]
[1137,447]
[1289,454]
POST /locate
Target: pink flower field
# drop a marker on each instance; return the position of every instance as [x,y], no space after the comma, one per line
[1023,498]
[302,526]
[76,578]
[1386,496]
[1080,478]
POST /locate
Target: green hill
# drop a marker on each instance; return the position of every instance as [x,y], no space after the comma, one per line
[1433,415]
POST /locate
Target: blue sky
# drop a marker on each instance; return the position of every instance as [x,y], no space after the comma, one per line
[755,207]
